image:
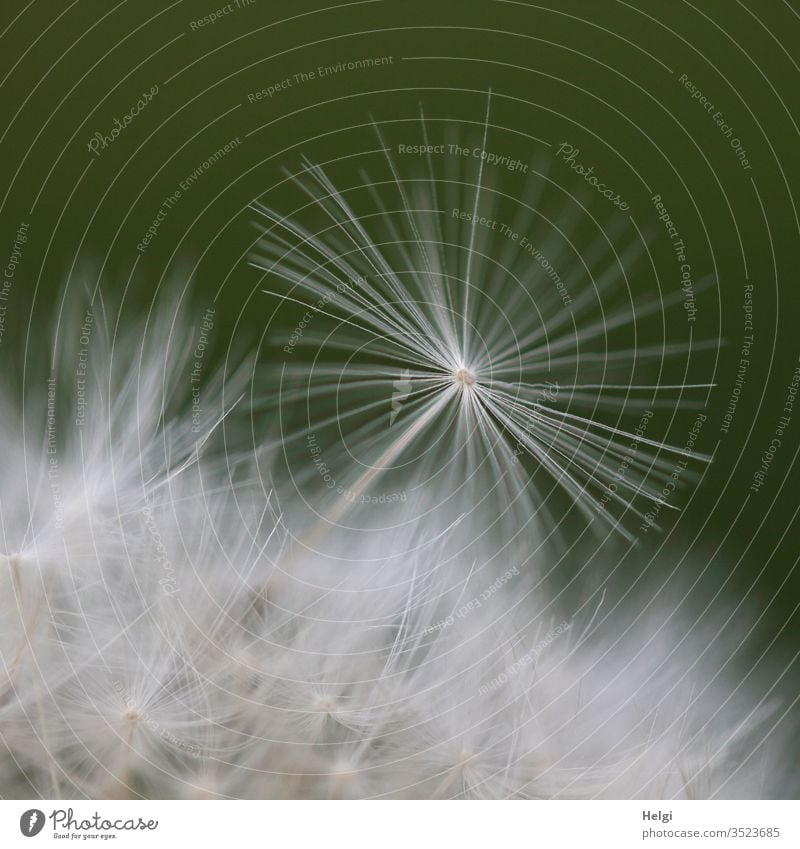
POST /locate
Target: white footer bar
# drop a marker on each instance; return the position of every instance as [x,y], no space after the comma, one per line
[405,825]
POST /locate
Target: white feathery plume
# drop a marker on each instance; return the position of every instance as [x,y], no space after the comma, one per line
[437,351]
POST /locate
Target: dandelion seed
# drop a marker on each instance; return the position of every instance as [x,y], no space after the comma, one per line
[503,385]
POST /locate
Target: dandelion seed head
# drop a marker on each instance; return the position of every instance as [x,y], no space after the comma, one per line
[410,310]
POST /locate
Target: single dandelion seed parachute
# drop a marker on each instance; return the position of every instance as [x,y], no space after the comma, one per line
[420,298]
